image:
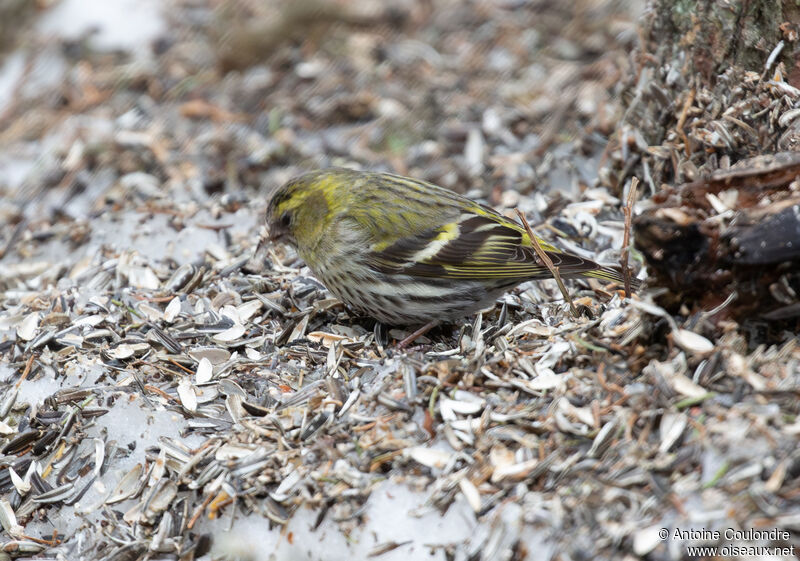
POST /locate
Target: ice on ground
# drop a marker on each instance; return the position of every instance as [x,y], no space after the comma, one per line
[10,73]
[134,426]
[36,391]
[152,235]
[388,517]
[116,24]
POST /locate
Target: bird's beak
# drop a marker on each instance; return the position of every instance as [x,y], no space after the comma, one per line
[277,233]
[261,248]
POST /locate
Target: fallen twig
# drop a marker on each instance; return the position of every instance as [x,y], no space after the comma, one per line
[626,240]
[548,263]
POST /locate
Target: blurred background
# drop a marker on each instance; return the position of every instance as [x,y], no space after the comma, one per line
[212,97]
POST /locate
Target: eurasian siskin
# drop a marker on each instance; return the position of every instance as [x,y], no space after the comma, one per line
[408,252]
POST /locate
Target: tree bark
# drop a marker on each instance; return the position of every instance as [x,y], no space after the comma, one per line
[713,128]
[713,35]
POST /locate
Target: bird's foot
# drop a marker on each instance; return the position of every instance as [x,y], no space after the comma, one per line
[418,333]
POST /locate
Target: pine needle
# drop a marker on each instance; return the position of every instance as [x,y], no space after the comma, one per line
[548,263]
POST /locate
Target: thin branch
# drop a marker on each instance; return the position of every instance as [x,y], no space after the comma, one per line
[626,240]
[682,120]
[548,263]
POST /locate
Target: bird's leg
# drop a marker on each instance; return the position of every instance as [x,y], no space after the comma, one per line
[418,333]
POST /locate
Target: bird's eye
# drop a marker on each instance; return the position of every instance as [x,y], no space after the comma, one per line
[285,219]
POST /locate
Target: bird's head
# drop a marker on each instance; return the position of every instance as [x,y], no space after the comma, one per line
[300,211]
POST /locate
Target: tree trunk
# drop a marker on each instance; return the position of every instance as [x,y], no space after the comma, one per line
[713,35]
[713,130]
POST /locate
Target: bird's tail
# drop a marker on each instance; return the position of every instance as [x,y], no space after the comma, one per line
[571,267]
[613,274]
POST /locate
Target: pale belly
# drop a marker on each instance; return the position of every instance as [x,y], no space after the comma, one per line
[402,300]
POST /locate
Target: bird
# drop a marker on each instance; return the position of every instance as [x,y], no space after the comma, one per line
[407,252]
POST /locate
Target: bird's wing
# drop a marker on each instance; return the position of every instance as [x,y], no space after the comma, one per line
[480,244]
